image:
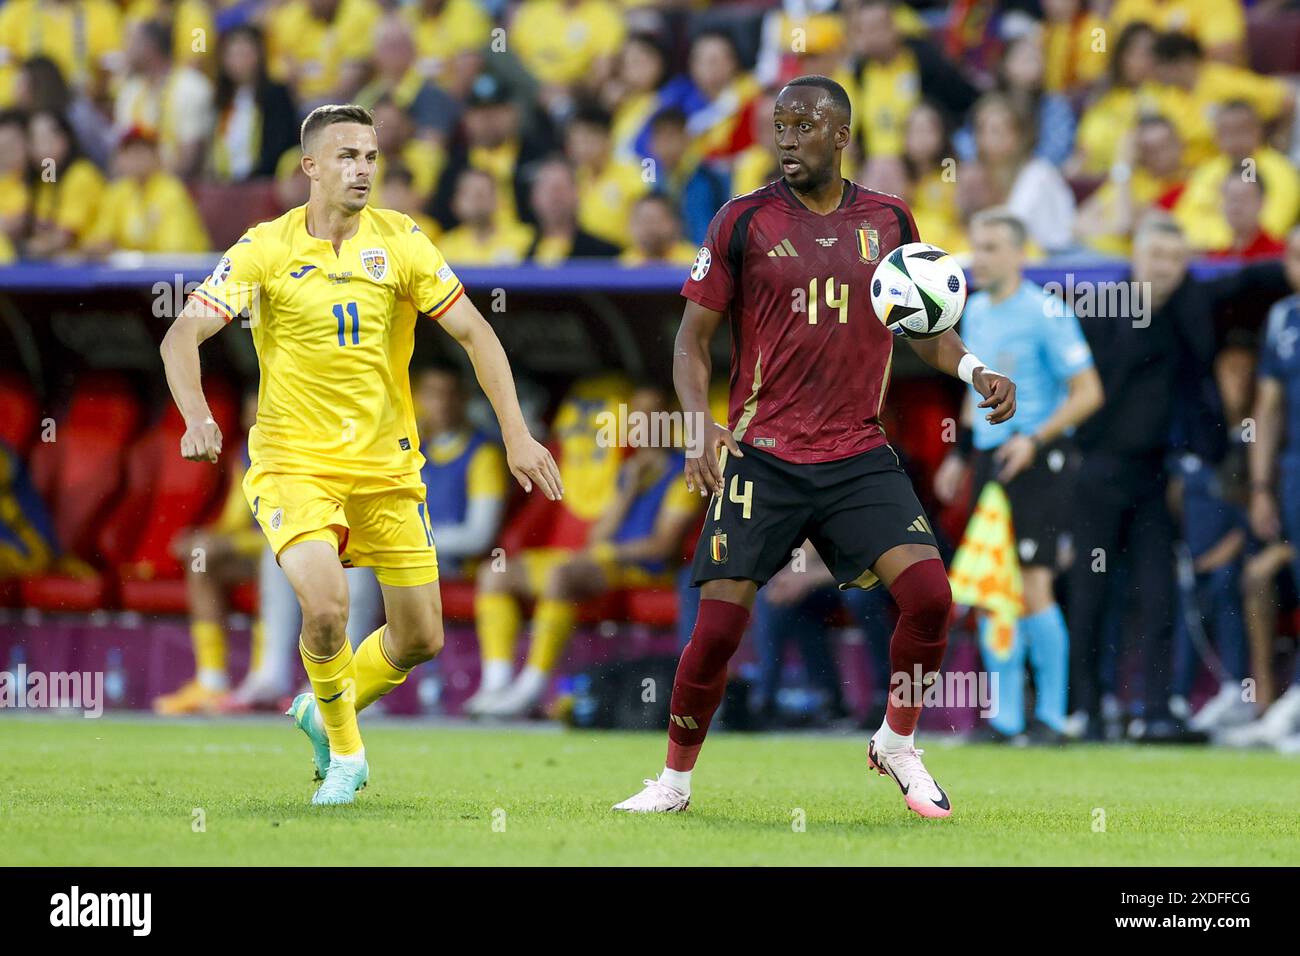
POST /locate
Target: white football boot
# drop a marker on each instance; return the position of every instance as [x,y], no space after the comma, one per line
[1224,710]
[1281,720]
[657,797]
[920,792]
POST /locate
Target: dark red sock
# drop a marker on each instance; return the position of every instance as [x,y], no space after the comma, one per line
[920,638]
[702,679]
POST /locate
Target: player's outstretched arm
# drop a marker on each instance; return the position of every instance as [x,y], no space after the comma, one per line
[692,367]
[527,458]
[946,353]
[180,354]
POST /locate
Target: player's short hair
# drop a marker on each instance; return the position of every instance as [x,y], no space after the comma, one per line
[328,115]
[1001,216]
[839,97]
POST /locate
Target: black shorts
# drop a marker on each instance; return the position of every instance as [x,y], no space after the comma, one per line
[852,510]
[1041,497]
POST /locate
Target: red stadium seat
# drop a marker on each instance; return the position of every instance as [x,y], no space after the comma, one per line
[228,209]
[18,423]
[655,607]
[78,473]
[457,600]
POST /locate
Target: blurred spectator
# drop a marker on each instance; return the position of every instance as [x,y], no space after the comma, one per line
[697,189]
[724,97]
[567,45]
[14,194]
[1074,45]
[931,171]
[633,543]
[464,473]
[67,189]
[146,208]
[256,120]
[396,135]
[397,77]
[1243,154]
[194,31]
[495,142]
[321,48]
[1219,26]
[397,191]
[173,103]
[607,187]
[799,38]
[1149,175]
[1190,88]
[1006,174]
[555,208]
[1049,118]
[639,90]
[758,164]
[656,230]
[84,37]
[40,87]
[1243,203]
[1114,109]
[292,187]
[482,238]
[444,31]
[894,73]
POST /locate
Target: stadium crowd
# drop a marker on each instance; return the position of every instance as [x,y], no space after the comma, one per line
[548,130]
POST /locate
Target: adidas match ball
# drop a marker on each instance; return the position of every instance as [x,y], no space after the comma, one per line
[919,291]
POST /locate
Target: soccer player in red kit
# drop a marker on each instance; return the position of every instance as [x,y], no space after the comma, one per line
[803,454]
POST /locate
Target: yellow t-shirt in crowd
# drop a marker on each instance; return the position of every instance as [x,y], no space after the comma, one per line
[1074,53]
[334,335]
[557,41]
[508,244]
[461,27]
[605,200]
[14,197]
[72,201]
[888,94]
[1192,111]
[81,36]
[154,216]
[1200,208]
[1211,22]
[933,201]
[308,53]
[681,253]
[1145,190]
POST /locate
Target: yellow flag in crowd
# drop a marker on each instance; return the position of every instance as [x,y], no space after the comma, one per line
[985,571]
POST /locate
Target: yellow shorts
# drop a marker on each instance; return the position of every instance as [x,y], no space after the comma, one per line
[375,522]
[539,563]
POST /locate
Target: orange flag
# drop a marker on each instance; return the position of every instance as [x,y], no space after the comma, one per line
[985,572]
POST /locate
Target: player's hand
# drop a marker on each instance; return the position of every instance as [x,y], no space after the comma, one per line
[532,464]
[1015,455]
[948,479]
[1264,521]
[704,473]
[201,441]
[999,394]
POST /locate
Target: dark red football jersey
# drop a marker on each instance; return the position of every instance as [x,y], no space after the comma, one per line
[809,359]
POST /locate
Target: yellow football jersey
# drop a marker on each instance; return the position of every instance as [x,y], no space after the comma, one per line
[334,335]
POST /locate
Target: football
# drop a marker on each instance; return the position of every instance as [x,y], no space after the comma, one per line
[919,291]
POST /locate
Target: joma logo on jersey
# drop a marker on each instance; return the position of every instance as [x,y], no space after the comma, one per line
[868,243]
[375,262]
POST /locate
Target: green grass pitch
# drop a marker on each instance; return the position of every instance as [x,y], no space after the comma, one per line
[135,791]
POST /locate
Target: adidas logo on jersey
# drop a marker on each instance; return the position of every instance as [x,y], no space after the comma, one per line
[784,248]
[921,525]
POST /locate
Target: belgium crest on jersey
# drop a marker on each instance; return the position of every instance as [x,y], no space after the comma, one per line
[375,262]
[868,243]
[718,547]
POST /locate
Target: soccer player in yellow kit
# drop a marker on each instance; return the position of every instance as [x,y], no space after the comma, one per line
[332,290]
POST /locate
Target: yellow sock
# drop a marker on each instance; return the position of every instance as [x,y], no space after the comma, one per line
[256,647]
[497,619]
[334,681]
[209,647]
[552,624]
[376,674]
